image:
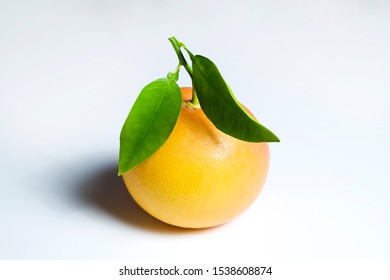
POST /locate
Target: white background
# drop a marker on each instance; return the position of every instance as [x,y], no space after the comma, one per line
[317,73]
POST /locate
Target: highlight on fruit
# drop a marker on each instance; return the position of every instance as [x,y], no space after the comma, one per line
[197,162]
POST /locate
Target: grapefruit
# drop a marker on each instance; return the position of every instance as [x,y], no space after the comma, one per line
[200,177]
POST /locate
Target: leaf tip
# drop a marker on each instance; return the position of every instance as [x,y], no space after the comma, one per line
[121,171]
[272,137]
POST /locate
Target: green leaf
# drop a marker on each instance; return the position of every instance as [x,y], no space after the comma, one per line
[221,107]
[149,123]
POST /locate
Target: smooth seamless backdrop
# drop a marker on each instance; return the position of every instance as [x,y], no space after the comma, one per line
[315,72]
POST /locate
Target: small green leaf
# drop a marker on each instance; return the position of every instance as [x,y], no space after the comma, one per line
[221,107]
[149,123]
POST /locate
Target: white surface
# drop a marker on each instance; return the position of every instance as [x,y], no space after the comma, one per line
[317,73]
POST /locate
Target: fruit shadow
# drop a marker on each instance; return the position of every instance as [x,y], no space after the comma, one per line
[103,189]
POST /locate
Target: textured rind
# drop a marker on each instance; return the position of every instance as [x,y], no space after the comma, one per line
[200,177]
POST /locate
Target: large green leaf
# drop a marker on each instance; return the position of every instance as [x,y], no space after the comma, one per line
[149,123]
[220,106]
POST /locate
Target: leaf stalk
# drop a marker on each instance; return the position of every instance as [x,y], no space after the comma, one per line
[177,45]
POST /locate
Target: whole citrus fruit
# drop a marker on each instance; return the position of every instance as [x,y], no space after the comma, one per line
[200,177]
